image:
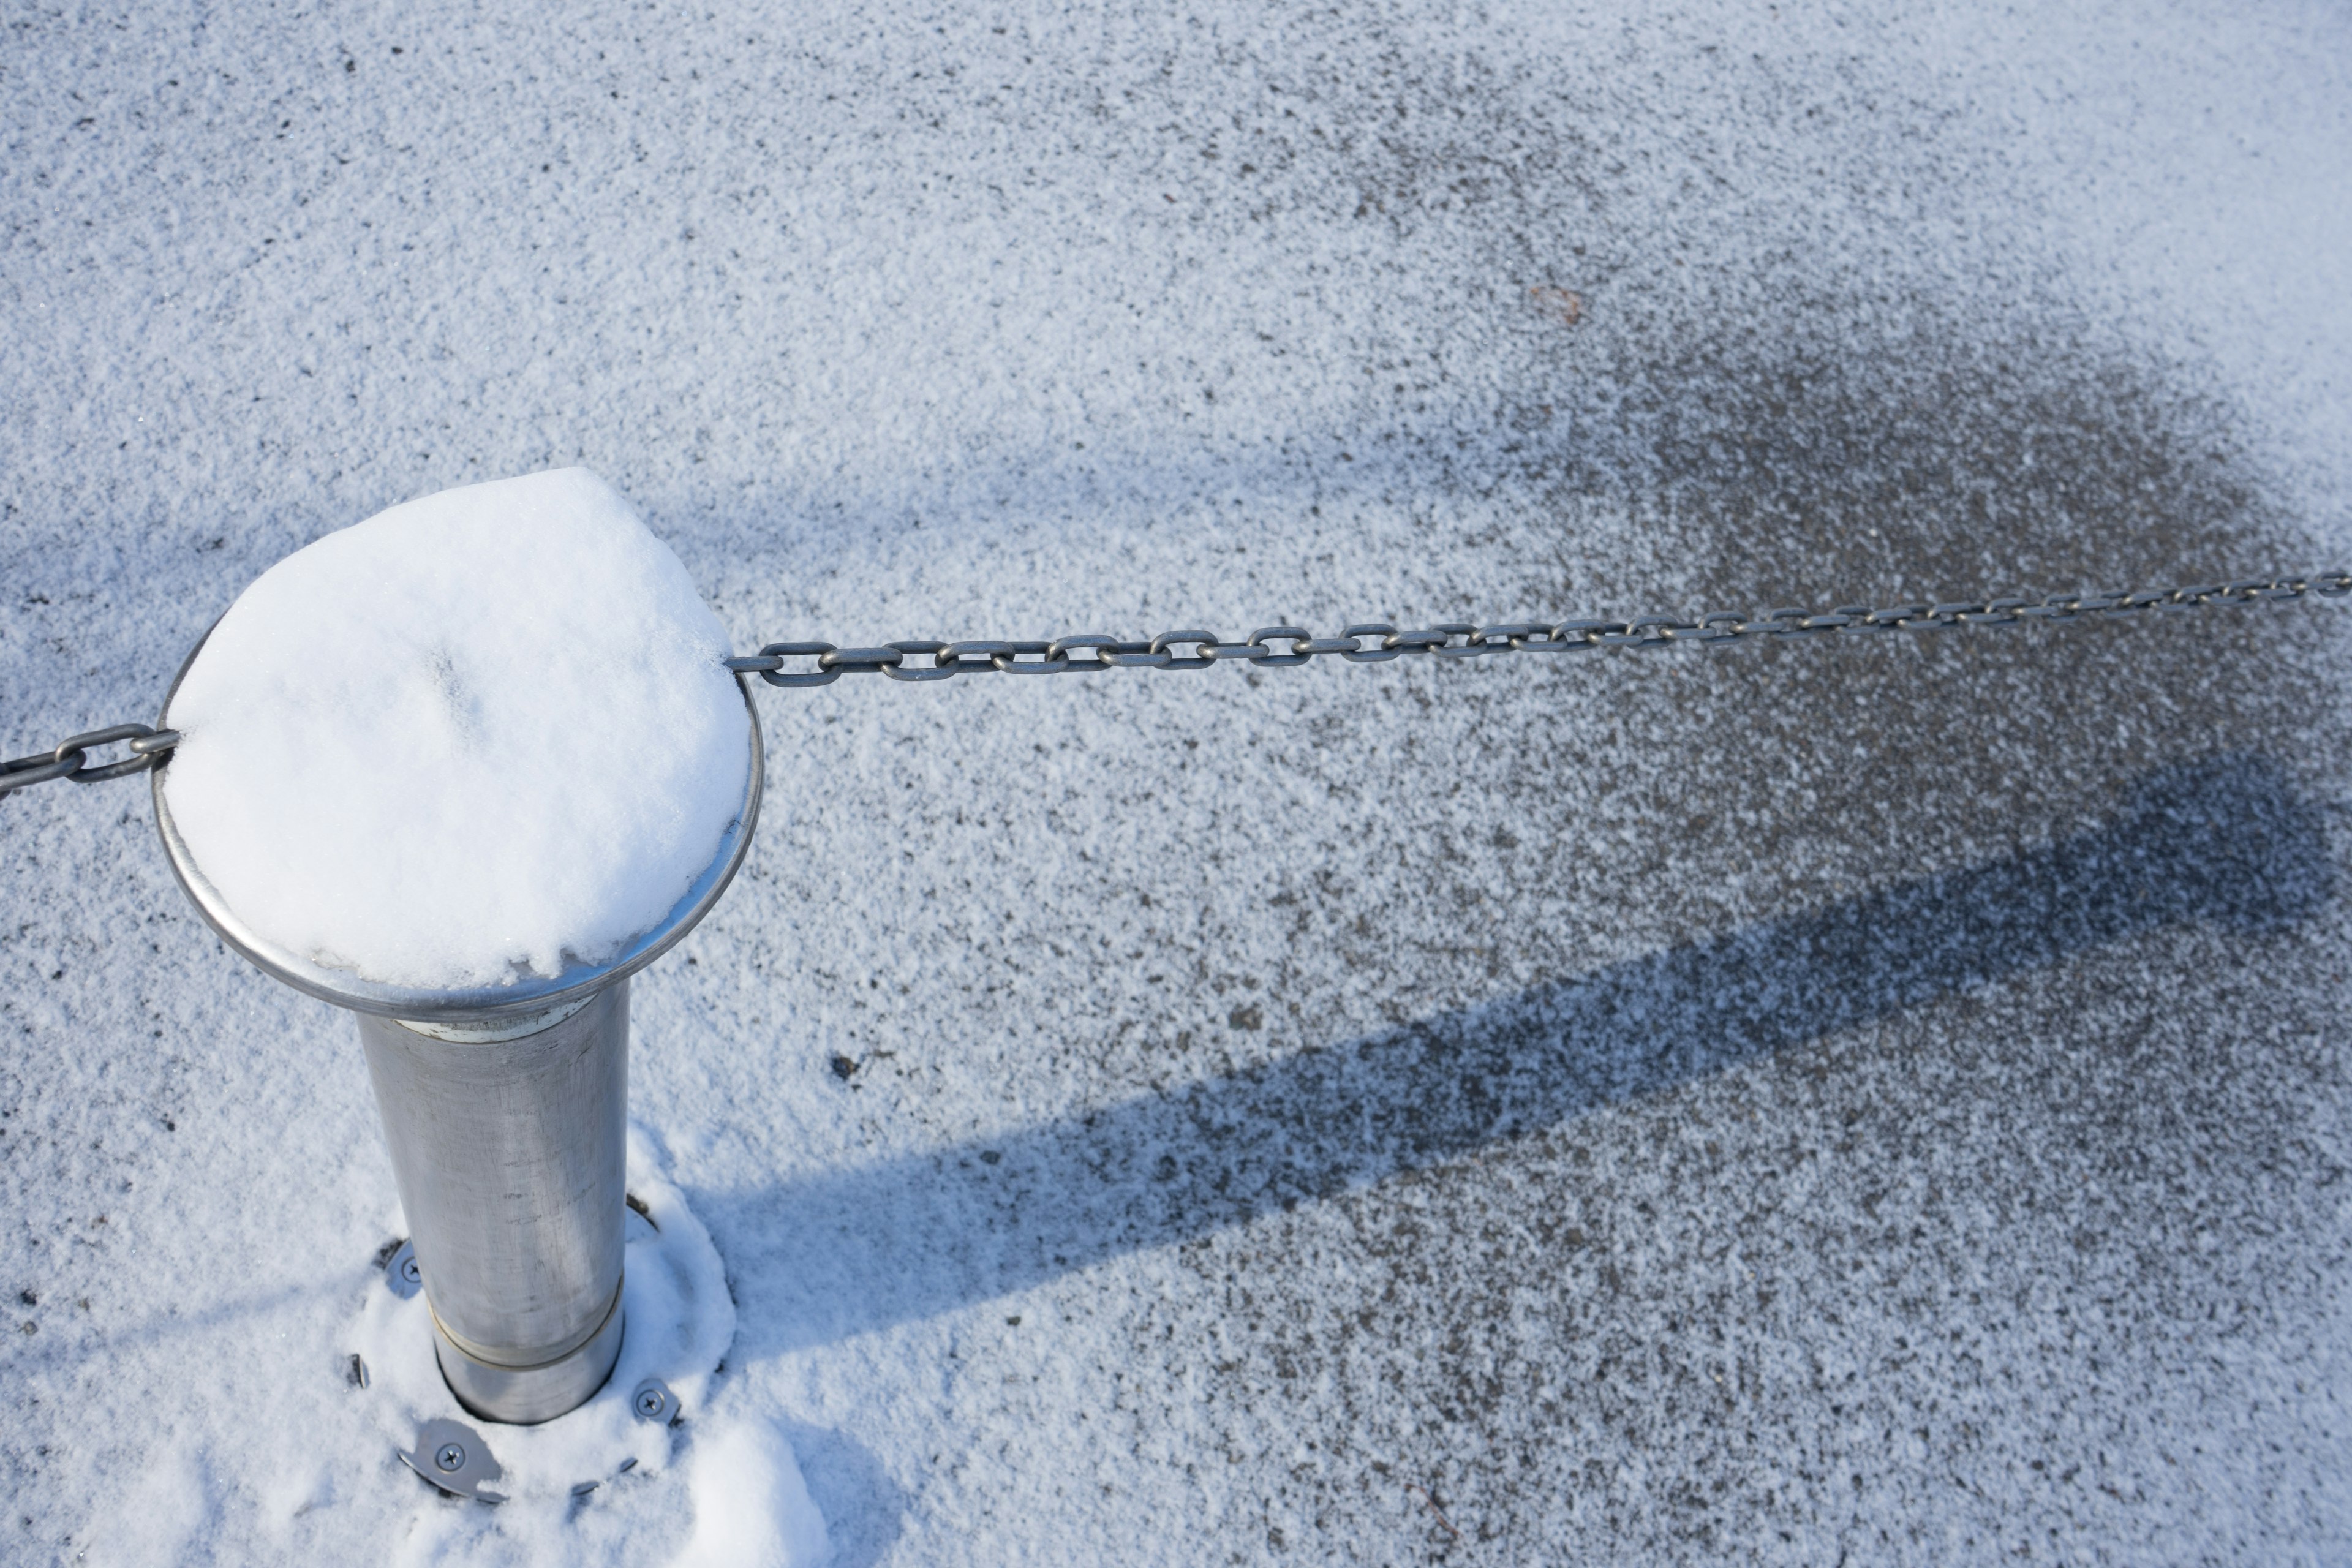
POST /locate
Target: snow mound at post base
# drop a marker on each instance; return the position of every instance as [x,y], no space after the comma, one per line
[479,735]
[750,1506]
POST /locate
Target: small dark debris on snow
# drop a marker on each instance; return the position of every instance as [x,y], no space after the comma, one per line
[1561,304]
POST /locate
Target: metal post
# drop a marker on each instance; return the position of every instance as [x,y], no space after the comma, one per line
[508,1147]
[505,1108]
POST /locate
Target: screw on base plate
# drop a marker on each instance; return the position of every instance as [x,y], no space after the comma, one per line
[654,1402]
[453,1456]
[401,1273]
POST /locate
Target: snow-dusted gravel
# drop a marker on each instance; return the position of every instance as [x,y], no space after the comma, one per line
[1882,1101]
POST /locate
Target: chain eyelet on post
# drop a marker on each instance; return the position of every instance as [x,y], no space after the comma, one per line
[69,759]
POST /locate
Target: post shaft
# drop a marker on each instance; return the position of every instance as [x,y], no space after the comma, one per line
[509,1146]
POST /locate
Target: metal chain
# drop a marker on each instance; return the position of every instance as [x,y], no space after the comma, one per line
[1368,642]
[1373,642]
[71,759]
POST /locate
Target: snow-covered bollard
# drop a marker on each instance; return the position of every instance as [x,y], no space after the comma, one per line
[463,769]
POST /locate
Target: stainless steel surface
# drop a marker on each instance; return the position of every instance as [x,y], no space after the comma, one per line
[506,1026]
[454,1458]
[510,1156]
[1287,645]
[488,1005]
[652,1401]
[71,758]
[505,1110]
[525,1395]
[402,1277]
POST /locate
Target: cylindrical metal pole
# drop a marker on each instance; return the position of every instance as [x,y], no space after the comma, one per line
[509,1144]
[505,1108]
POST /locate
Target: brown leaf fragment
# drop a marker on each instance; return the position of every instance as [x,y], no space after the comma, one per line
[1563,304]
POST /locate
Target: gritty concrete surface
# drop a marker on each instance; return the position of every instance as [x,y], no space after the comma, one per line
[1848,1102]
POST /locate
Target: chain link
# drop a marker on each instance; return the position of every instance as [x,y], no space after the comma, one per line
[1367,642]
[1370,642]
[71,759]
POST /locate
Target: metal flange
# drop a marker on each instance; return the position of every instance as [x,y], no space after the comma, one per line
[400,1272]
[652,1401]
[453,1456]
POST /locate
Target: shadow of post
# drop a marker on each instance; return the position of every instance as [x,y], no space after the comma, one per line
[2223,841]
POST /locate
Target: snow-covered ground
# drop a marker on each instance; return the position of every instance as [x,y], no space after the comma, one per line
[1882,1101]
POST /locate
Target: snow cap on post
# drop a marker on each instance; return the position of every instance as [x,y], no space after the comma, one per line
[476,744]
